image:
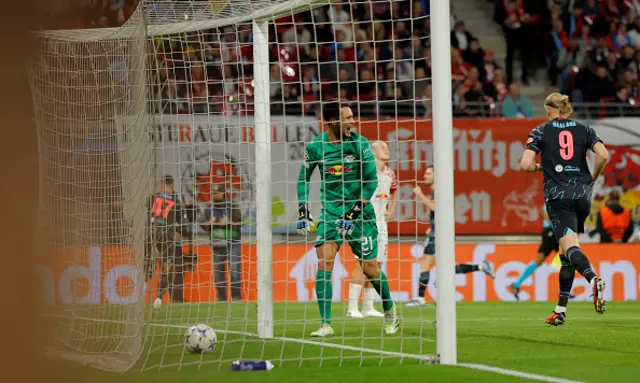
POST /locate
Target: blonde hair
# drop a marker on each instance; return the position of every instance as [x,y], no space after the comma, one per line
[561,102]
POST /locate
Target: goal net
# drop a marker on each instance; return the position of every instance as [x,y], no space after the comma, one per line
[178,101]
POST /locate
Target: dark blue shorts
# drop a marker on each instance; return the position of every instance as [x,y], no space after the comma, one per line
[568,215]
[430,245]
[549,242]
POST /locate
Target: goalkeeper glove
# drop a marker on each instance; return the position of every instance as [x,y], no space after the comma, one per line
[347,223]
[304,219]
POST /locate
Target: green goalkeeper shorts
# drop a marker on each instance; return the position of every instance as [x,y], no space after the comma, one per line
[363,240]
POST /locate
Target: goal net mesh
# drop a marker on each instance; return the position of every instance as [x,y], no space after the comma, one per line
[171,93]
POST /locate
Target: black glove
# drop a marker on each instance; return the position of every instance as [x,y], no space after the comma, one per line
[304,219]
[347,223]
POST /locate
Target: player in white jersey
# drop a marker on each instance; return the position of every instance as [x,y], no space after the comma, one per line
[384,202]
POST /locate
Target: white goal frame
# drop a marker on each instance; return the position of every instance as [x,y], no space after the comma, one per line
[443,161]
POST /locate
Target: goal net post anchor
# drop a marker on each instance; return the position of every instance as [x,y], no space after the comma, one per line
[443,162]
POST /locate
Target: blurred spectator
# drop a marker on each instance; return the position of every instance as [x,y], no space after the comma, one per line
[310,82]
[626,58]
[474,55]
[516,105]
[559,41]
[585,39]
[275,83]
[613,66]
[453,17]
[225,220]
[591,8]
[497,87]
[599,86]
[634,33]
[635,64]
[574,20]
[427,100]
[569,58]
[470,99]
[459,68]
[621,38]
[614,223]
[298,36]
[366,86]
[489,66]
[511,15]
[630,82]
[600,52]
[622,96]
[460,37]
[420,82]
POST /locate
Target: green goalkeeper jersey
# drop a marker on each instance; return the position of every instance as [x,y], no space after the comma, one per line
[347,171]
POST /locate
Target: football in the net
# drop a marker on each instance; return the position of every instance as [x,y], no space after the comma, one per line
[200,339]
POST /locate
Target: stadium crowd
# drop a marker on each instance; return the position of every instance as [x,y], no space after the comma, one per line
[589,47]
[378,53]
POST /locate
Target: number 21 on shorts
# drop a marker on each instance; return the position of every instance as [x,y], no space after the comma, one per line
[565,139]
[367,244]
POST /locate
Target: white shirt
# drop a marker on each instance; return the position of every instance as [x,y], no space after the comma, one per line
[387,185]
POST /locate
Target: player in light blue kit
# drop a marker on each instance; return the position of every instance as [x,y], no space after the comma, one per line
[548,245]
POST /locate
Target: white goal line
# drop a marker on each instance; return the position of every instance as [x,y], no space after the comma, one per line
[518,374]
[255,336]
[422,358]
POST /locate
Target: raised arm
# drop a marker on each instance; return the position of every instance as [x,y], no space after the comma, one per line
[306,170]
[602,157]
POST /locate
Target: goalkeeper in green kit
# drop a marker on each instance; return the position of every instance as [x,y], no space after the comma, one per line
[349,178]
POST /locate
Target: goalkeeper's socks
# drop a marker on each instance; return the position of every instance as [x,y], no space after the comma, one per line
[381,284]
[354,295]
[324,292]
[580,262]
[525,274]
[370,295]
[422,283]
[466,268]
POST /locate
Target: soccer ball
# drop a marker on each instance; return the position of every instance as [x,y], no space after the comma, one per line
[200,339]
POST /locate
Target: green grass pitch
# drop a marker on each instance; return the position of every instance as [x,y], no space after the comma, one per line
[589,348]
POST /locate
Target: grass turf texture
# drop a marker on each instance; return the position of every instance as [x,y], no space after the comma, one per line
[589,347]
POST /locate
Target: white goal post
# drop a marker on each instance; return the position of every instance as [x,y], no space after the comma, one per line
[223,96]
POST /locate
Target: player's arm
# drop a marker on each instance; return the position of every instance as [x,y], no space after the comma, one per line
[369,173]
[534,145]
[602,157]
[428,202]
[306,170]
[528,161]
[391,207]
[303,187]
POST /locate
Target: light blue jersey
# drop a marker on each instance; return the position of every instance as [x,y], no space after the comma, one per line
[546,224]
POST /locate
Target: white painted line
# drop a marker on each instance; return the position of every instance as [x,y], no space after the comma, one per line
[315,343]
[517,374]
[285,339]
